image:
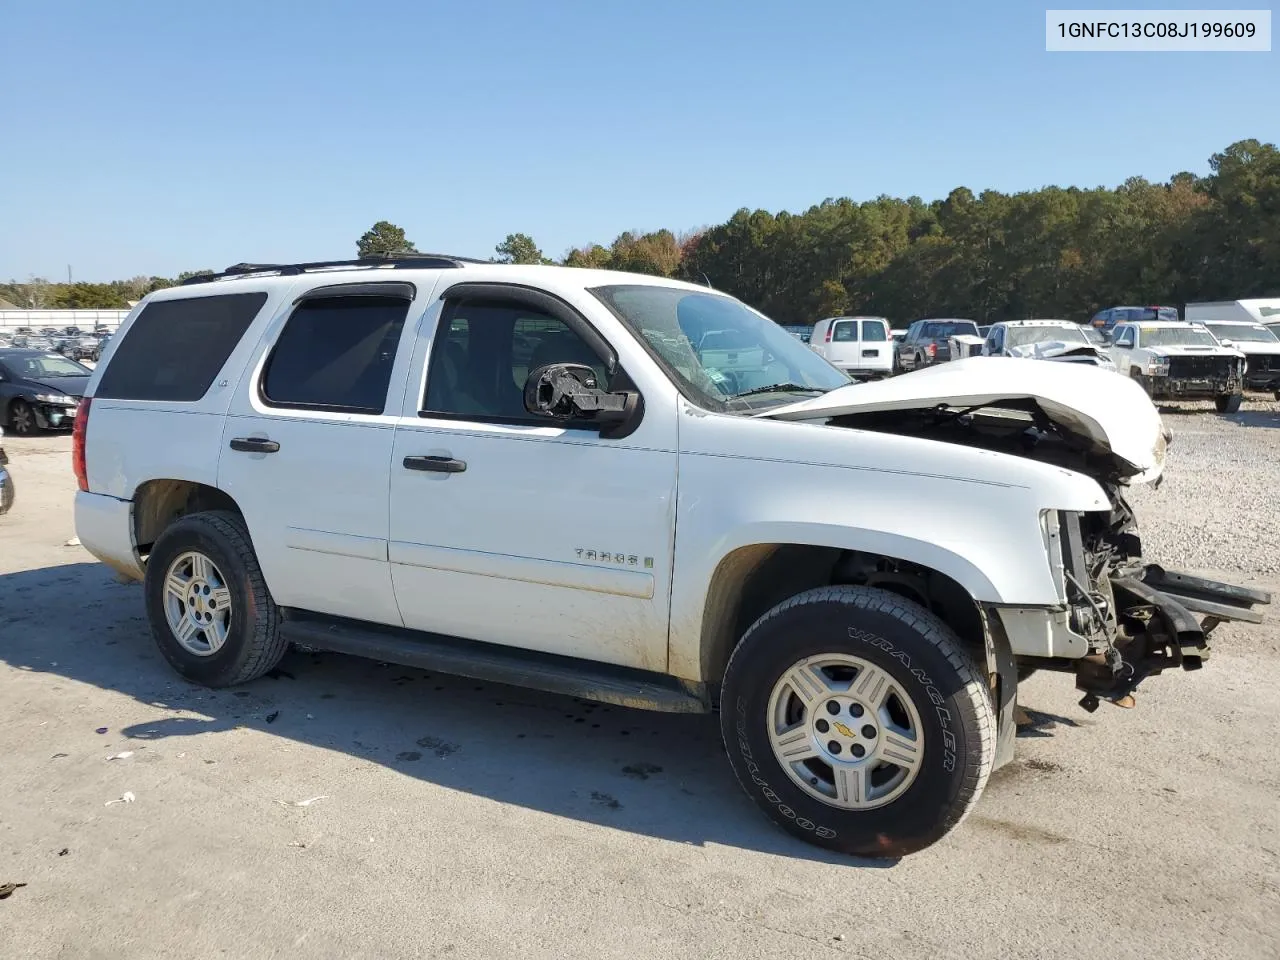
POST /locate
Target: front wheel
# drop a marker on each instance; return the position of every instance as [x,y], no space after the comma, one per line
[1228,402]
[857,721]
[22,418]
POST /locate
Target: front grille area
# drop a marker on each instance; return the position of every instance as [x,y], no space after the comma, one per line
[1201,368]
[1264,364]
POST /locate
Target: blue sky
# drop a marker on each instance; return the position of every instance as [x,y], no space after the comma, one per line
[149,138]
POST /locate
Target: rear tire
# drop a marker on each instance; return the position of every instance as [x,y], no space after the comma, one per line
[838,670]
[250,642]
[1228,402]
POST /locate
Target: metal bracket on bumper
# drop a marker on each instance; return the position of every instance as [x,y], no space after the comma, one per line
[1164,619]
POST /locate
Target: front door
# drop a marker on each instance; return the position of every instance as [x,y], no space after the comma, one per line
[306,451]
[510,529]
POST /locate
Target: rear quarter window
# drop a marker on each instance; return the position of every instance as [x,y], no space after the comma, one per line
[175,348]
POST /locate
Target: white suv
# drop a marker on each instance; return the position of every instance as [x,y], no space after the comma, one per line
[533,475]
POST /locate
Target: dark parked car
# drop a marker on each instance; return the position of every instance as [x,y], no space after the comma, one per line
[1106,320]
[39,390]
[926,342]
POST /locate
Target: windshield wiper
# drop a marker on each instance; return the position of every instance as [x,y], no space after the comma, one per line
[776,388]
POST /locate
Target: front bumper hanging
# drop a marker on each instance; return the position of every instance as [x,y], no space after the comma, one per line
[1164,619]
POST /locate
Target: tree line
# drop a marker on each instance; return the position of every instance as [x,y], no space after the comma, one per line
[1051,252]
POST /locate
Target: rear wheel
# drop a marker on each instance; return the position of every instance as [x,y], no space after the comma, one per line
[856,720]
[1228,402]
[22,418]
[211,613]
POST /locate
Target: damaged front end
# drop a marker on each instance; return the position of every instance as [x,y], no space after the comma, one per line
[1139,618]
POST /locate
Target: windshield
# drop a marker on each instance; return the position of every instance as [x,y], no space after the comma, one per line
[717,348]
[940,329]
[1021,336]
[52,365]
[1177,337]
[1242,331]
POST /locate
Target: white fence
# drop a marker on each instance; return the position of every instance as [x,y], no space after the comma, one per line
[84,319]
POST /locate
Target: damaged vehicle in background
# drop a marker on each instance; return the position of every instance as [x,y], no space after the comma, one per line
[861,642]
[39,390]
[1261,349]
[1045,340]
[1179,361]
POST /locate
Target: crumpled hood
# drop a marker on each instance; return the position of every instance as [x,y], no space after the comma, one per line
[1056,349]
[1094,403]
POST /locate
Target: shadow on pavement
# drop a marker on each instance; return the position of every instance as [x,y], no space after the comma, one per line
[661,775]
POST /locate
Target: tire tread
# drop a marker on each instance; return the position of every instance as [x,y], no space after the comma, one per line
[933,630]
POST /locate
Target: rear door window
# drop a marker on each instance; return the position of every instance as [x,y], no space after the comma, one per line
[874,331]
[336,354]
[846,331]
[175,348]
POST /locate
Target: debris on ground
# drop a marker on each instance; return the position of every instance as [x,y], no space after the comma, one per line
[271,717]
[122,755]
[640,771]
[6,889]
[441,748]
[64,851]
[58,756]
[126,797]
[73,542]
[300,803]
[101,730]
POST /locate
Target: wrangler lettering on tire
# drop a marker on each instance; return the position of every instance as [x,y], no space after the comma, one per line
[859,721]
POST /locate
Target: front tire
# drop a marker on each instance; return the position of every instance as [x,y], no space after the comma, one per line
[211,613]
[1228,402]
[22,418]
[857,721]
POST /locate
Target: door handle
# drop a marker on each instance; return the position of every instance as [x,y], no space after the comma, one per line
[435,464]
[254,445]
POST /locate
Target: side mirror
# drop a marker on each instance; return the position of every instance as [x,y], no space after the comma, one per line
[570,391]
[1228,343]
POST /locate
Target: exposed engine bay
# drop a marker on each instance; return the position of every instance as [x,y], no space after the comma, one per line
[1137,618]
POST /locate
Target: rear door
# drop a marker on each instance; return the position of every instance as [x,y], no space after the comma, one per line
[306,447]
[875,349]
[844,350]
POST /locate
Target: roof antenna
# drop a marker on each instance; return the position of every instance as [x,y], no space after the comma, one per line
[707,279]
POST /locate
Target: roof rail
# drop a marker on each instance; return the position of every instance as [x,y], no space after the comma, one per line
[421,261]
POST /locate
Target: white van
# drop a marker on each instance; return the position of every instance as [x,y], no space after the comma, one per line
[1265,311]
[859,346]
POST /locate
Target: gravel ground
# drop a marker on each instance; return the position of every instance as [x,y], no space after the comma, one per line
[465,820]
[1219,505]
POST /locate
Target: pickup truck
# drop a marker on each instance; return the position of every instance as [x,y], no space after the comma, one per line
[586,482]
[1179,361]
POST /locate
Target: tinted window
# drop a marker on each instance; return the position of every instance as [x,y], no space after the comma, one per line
[1125,339]
[941,329]
[845,332]
[175,348]
[479,368]
[874,331]
[336,354]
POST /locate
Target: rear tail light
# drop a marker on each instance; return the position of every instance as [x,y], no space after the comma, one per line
[933,349]
[77,442]
[830,330]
